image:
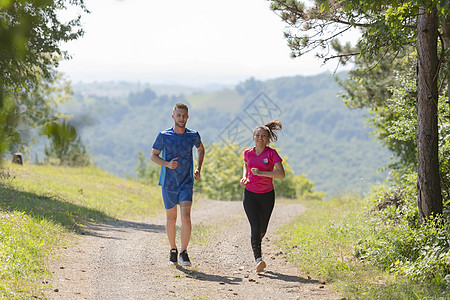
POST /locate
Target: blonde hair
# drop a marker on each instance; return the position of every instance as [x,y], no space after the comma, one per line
[181,106]
[270,128]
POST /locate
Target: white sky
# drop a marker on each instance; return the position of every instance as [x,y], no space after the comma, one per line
[192,42]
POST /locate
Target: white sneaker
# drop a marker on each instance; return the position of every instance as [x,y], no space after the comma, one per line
[184,259]
[260,265]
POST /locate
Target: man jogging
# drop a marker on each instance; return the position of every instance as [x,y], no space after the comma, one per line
[177,177]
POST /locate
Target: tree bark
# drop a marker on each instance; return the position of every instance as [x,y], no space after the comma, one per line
[428,183]
[446,38]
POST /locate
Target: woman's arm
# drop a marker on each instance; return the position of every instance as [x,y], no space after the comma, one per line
[277,173]
[243,181]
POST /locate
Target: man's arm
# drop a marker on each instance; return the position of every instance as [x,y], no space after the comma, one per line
[158,160]
[200,157]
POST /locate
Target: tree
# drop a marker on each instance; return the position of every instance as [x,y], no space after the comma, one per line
[65,144]
[31,32]
[30,112]
[387,29]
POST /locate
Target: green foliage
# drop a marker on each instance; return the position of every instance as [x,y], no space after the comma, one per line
[142,98]
[26,111]
[396,120]
[221,172]
[25,243]
[295,186]
[387,27]
[65,144]
[147,171]
[396,124]
[402,244]
[41,207]
[31,33]
[399,242]
[6,136]
[329,240]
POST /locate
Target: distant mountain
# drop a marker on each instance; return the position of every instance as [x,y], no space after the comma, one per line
[321,137]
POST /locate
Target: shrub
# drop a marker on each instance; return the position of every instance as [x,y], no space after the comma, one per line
[401,243]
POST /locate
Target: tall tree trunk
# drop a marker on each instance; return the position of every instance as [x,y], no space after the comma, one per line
[428,183]
[446,38]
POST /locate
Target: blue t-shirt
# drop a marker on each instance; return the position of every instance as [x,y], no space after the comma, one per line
[174,145]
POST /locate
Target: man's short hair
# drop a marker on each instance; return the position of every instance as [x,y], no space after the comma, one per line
[181,106]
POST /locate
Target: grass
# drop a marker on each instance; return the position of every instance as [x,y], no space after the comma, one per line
[322,241]
[201,233]
[43,207]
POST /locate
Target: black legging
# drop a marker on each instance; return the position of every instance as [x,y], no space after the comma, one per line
[258,207]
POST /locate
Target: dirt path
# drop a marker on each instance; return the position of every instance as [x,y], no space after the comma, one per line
[129,260]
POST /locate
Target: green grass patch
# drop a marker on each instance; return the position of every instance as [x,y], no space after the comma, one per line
[25,244]
[41,207]
[201,233]
[77,193]
[322,243]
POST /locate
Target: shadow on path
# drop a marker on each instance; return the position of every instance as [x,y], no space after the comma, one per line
[288,278]
[105,230]
[51,208]
[77,218]
[209,277]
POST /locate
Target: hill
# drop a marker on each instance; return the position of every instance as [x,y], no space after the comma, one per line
[322,138]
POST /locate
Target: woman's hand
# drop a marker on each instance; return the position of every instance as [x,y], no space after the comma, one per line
[256,171]
[243,181]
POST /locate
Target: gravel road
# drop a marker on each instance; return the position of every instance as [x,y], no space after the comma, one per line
[129,260]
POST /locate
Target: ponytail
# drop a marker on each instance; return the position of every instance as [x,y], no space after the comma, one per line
[270,128]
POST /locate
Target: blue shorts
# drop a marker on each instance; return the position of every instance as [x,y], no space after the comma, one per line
[172,198]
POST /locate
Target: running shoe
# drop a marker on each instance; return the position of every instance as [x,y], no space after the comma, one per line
[183,259]
[173,257]
[260,265]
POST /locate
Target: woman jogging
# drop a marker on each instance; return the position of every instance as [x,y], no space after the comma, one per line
[259,194]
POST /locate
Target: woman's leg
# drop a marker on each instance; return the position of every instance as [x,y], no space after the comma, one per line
[251,210]
[266,204]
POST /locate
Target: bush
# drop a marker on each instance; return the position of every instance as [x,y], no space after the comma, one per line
[401,243]
[221,172]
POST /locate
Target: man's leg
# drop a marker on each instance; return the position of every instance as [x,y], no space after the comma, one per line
[171,230]
[186,227]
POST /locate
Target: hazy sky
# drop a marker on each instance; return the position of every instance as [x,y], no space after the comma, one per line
[186,42]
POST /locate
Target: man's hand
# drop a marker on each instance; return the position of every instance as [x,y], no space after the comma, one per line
[197,174]
[173,163]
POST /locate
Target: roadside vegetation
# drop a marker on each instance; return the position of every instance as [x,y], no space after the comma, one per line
[367,253]
[43,208]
